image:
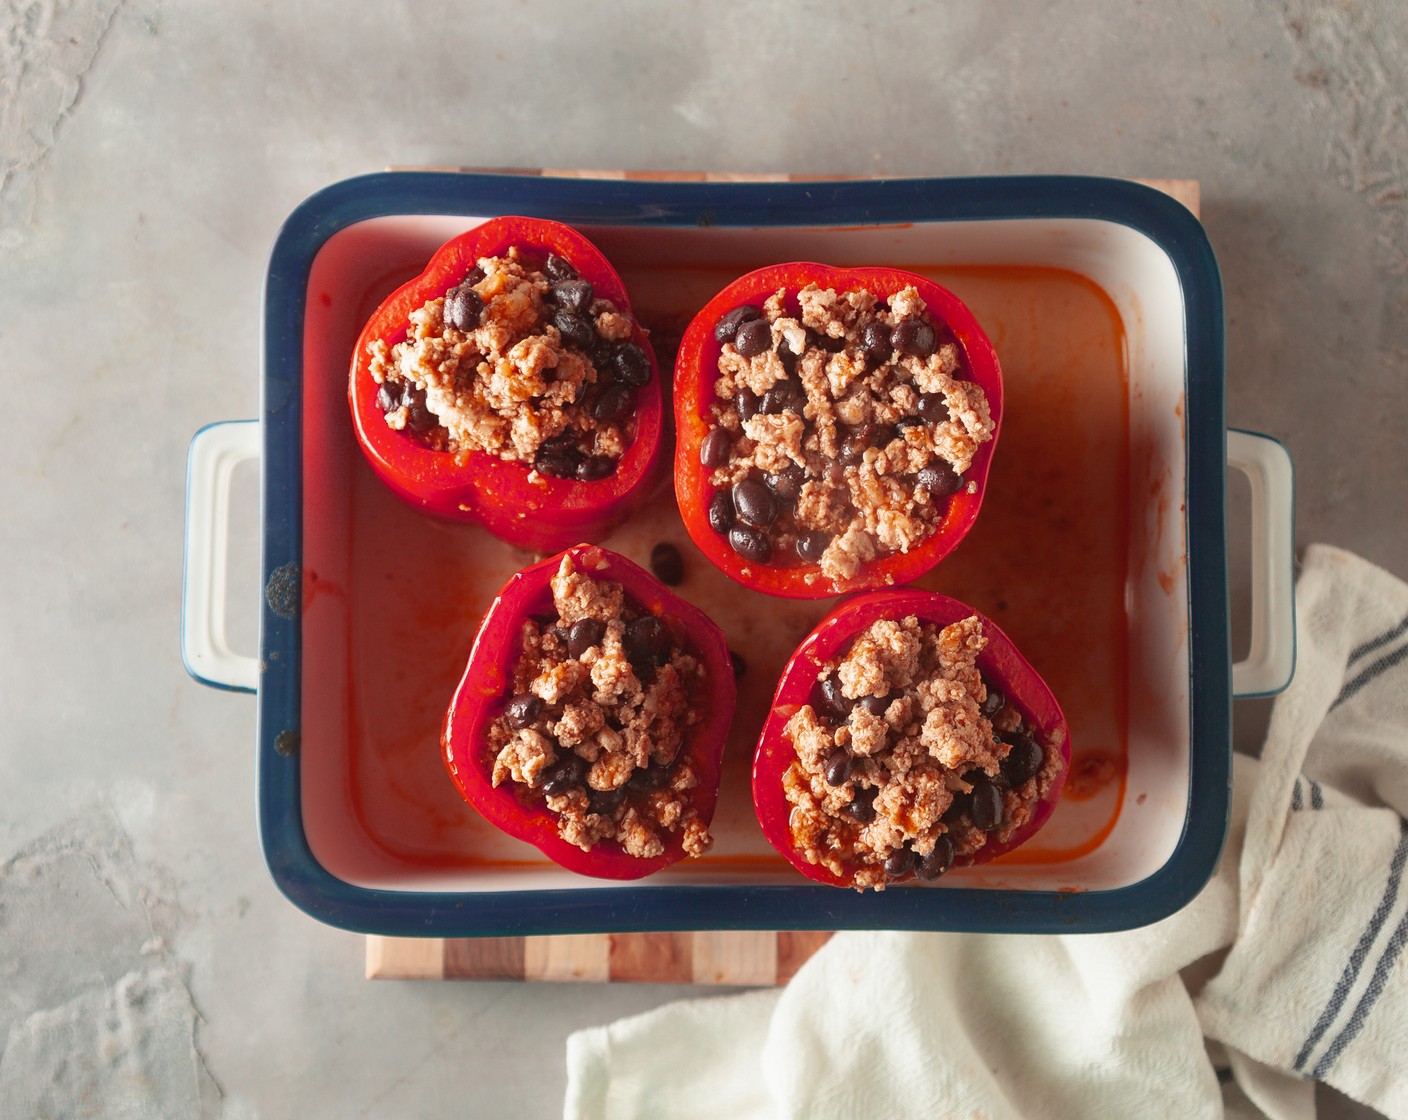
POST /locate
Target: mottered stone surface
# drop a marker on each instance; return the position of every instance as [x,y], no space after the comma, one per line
[149,151]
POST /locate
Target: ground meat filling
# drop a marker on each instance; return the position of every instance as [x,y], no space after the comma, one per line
[520,360]
[907,760]
[840,431]
[602,702]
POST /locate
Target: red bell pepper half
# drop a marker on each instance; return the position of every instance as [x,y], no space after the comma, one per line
[488,678]
[541,514]
[697,369]
[1000,664]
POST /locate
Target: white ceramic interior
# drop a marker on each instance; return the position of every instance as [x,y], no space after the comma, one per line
[1134,272]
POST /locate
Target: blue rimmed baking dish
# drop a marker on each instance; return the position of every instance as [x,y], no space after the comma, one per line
[358,825]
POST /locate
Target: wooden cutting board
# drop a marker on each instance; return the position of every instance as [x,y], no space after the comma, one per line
[739,957]
[714,957]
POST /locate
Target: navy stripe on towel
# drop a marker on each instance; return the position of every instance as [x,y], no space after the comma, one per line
[1377,643]
[1376,669]
[1366,1001]
[1317,795]
[1297,797]
[1361,951]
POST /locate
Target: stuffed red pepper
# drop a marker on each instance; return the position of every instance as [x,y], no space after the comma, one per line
[509,385]
[834,427]
[592,717]
[907,736]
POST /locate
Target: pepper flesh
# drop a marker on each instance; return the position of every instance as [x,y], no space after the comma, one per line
[1000,664]
[478,701]
[540,513]
[696,371]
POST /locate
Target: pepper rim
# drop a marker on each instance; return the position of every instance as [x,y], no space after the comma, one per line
[696,370]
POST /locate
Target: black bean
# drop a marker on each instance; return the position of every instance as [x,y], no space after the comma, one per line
[747,402]
[875,705]
[914,337]
[938,861]
[601,353]
[721,514]
[647,642]
[933,408]
[838,767]
[388,398]
[753,337]
[473,276]
[646,778]
[834,698]
[463,306]
[881,435]
[862,804]
[615,402]
[750,543]
[573,295]
[739,665]
[854,445]
[605,801]
[993,702]
[986,807]
[786,483]
[909,422]
[667,564]
[727,327]
[900,863]
[584,633]
[957,807]
[784,396]
[575,330]
[1023,760]
[557,461]
[631,365]
[714,451]
[836,472]
[419,418]
[754,502]
[875,340]
[596,467]
[787,358]
[523,709]
[559,268]
[565,775]
[939,478]
[812,546]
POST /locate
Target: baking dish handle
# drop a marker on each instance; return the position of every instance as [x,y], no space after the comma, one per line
[1271,662]
[216,450]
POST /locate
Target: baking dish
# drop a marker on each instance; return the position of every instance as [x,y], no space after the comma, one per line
[354,651]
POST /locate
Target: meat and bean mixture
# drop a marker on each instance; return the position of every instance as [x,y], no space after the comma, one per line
[842,426]
[603,699]
[908,760]
[522,361]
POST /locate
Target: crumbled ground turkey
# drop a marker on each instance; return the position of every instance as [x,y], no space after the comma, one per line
[603,700]
[854,413]
[517,364]
[908,761]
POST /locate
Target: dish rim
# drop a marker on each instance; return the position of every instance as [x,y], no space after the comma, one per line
[682,205]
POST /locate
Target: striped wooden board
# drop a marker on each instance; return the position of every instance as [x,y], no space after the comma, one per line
[746,957]
[713,957]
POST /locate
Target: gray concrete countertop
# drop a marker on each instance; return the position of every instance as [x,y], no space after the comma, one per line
[149,150]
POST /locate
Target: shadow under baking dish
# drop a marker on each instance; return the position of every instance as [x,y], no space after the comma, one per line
[1081,553]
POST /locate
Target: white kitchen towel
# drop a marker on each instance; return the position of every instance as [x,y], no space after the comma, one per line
[1308,902]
